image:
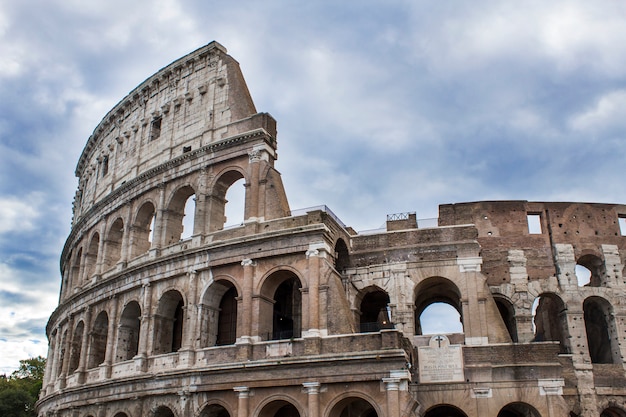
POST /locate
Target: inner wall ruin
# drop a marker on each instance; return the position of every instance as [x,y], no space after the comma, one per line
[166,312]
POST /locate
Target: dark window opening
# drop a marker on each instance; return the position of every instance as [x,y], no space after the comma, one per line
[375,312]
[227,322]
[155,129]
[287,310]
[105,165]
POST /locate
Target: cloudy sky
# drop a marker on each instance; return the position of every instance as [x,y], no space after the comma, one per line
[382,107]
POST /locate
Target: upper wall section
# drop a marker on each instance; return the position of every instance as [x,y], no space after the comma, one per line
[537,228]
[197,100]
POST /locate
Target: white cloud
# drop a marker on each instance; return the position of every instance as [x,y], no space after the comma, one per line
[606,113]
[19,214]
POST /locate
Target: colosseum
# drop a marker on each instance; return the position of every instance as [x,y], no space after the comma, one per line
[166,310]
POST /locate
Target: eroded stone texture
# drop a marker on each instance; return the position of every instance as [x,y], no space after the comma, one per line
[294,313]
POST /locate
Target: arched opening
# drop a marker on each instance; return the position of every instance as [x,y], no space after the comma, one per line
[220,201]
[280,315]
[613,412]
[142,230]
[518,410]
[75,349]
[234,204]
[550,321]
[179,208]
[219,314]
[74,279]
[507,312]
[594,266]
[91,257]
[168,323]
[188,217]
[342,256]
[601,331]
[214,410]
[227,321]
[113,246]
[438,307]
[98,342]
[163,411]
[445,411]
[128,332]
[375,312]
[120,415]
[279,408]
[353,407]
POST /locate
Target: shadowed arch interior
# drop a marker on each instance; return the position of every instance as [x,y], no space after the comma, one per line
[218,314]
[601,331]
[168,323]
[353,407]
[550,321]
[98,340]
[140,239]
[280,315]
[128,332]
[518,410]
[436,290]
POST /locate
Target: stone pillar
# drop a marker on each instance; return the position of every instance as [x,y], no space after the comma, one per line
[313,390]
[82,361]
[125,249]
[315,252]
[146,327]
[613,265]
[101,244]
[186,354]
[474,318]
[200,219]
[252,191]
[392,386]
[159,222]
[565,266]
[246,316]
[243,395]
[111,338]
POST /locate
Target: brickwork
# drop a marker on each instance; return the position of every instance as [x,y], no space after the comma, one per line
[298,315]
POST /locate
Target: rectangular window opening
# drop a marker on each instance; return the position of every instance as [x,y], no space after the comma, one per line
[534,223]
[105,166]
[155,129]
[622,224]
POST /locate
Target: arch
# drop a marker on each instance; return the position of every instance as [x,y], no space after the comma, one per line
[374,311]
[98,340]
[163,411]
[113,244]
[168,323]
[214,410]
[601,331]
[128,332]
[279,408]
[595,265]
[219,314]
[220,188]
[74,278]
[141,229]
[518,409]
[175,213]
[235,203]
[436,290]
[280,315]
[76,347]
[91,257]
[613,411]
[550,321]
[353,406]
[445,410]
[507,312]
[120,414]
[342,256]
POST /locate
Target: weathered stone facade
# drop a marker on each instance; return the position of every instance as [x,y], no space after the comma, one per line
[298,315]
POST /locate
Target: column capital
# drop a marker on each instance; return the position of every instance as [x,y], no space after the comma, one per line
[392,384]
[311,388]
[248,262]
[242,392]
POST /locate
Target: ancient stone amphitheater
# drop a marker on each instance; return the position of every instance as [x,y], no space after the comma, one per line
[166,312]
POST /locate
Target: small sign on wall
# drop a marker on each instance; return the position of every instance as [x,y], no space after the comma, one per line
[440,361]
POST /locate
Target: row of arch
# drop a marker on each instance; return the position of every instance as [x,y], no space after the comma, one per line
[355,407]
[549,317]
[217,325]
[155,224]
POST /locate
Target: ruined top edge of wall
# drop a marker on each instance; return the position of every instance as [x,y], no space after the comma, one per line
[212,48]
